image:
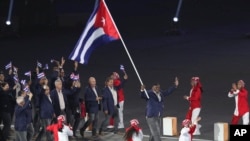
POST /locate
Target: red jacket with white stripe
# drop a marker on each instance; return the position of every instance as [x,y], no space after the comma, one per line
[119,84]
[195,97]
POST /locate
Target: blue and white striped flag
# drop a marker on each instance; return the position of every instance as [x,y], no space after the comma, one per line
[122,68]
[26,88]
[74,77]
[100,30]
[9,65]
[40,75]
[27,73]
[15,69]
[15,77]
[23,82]
[38,64]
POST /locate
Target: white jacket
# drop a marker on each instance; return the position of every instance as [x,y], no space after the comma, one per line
[66,132]
[137,137]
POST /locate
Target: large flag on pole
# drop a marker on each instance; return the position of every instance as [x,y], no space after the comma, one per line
[100,29]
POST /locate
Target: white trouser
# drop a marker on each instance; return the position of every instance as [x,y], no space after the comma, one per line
[195,115]
[245,118]
[120,112]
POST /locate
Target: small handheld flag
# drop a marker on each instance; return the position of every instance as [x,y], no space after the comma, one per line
[15,77]
[15,69]
[40,75]
[27,73]
[38,64]
[9,65]
[26,88]
[23,82]
[74,77]
[122,68]
[100,30]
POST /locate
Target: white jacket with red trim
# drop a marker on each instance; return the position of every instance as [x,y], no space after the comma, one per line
[66,132]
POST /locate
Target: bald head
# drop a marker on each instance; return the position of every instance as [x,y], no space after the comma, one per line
[92,81]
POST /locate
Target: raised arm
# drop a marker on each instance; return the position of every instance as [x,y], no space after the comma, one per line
[171,89]
[233,93]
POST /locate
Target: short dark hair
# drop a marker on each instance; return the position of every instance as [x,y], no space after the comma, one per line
[155,84]
[3,84]
[20,92]
[108,79]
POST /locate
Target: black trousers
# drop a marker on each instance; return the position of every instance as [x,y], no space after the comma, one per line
[6,119]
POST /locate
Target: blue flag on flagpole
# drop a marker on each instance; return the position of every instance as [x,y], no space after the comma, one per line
[99,30]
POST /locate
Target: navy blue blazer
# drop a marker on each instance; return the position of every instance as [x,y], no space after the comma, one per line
[29,110]
[46,106]
[154,106]
[91,103]
[21,117]
[108,101]
[55,99]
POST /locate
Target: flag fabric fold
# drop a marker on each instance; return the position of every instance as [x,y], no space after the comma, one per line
[100,29]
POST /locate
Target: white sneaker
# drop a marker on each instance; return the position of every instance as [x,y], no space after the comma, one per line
[110,126]
[120,125]
[197,130]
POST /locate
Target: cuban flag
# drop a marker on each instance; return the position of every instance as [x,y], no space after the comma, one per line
[15,69]
[23,82]
[74,77]
[26,88]
[15,77]
[27,73]
[100,29]
[122,68]
[38,64]
[9,65]
[40,75]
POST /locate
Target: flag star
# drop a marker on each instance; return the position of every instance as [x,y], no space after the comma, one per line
[103,21]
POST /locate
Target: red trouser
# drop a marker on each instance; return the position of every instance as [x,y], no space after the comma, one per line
[235,119]
[245,118]
[111,121]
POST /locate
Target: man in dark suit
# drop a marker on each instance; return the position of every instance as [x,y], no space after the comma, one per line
[154,109]
[46,112]
[59,98]
[92,101]
[110,105]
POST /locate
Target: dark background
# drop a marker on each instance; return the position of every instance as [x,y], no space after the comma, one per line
[213,44]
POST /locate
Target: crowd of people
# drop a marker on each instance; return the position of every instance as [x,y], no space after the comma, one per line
[34,104]
[50,106]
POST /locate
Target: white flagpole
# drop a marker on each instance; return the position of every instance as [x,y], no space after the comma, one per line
[124,45]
